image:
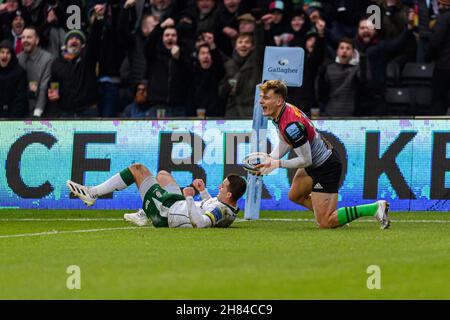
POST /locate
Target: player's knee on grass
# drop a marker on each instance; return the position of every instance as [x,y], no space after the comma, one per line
[326,221]
[325,224]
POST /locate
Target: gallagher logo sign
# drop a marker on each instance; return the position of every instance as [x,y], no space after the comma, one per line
[285,64]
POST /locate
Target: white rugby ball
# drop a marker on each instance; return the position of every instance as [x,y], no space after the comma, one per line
[250,161]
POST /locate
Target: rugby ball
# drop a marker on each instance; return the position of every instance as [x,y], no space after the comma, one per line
[250,162]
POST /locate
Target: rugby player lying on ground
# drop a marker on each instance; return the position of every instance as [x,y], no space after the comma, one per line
[164,203]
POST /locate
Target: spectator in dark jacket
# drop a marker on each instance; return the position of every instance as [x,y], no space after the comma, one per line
[315,12]
[299,28]
[53,32]
[110,59]
[228,25]
[206,14]
[135,41]
[440,50]
[207,73]
[340,81]
[427,11]
[161,9]
[305,96]
[278,23]
[36,11]
[14,30]
[7,11]
[377,52]
[13,84]
[73,83]
[201,17]
[168,70]
[246,23]
[243,73]
[345,15]
[140,108]
[394,19]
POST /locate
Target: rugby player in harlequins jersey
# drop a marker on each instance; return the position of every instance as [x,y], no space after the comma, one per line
[316,182]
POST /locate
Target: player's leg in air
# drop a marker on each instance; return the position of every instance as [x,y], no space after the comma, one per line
[152,194]
[301,188]
[324,198]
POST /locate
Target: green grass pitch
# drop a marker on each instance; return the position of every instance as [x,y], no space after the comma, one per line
[283,256]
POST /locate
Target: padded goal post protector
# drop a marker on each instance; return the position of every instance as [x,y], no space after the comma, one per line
[254,183]
[280,63]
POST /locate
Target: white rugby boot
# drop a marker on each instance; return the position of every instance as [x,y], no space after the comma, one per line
[382,214]
[138,218]
[81,192]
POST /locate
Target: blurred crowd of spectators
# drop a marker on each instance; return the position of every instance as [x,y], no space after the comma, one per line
[203,58]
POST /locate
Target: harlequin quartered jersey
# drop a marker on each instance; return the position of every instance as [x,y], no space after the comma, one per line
[295,128]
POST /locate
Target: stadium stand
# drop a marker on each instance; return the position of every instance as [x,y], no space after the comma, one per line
[400,100]
[115,46]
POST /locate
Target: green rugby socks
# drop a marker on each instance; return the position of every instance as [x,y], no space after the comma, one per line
[127,177]
[348,214]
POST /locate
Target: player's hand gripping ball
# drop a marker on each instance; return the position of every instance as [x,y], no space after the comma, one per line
[252,160]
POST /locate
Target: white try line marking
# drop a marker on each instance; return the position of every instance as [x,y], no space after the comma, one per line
[47,233]
[54,232]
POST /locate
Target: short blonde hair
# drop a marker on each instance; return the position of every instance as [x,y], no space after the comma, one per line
[278,87]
